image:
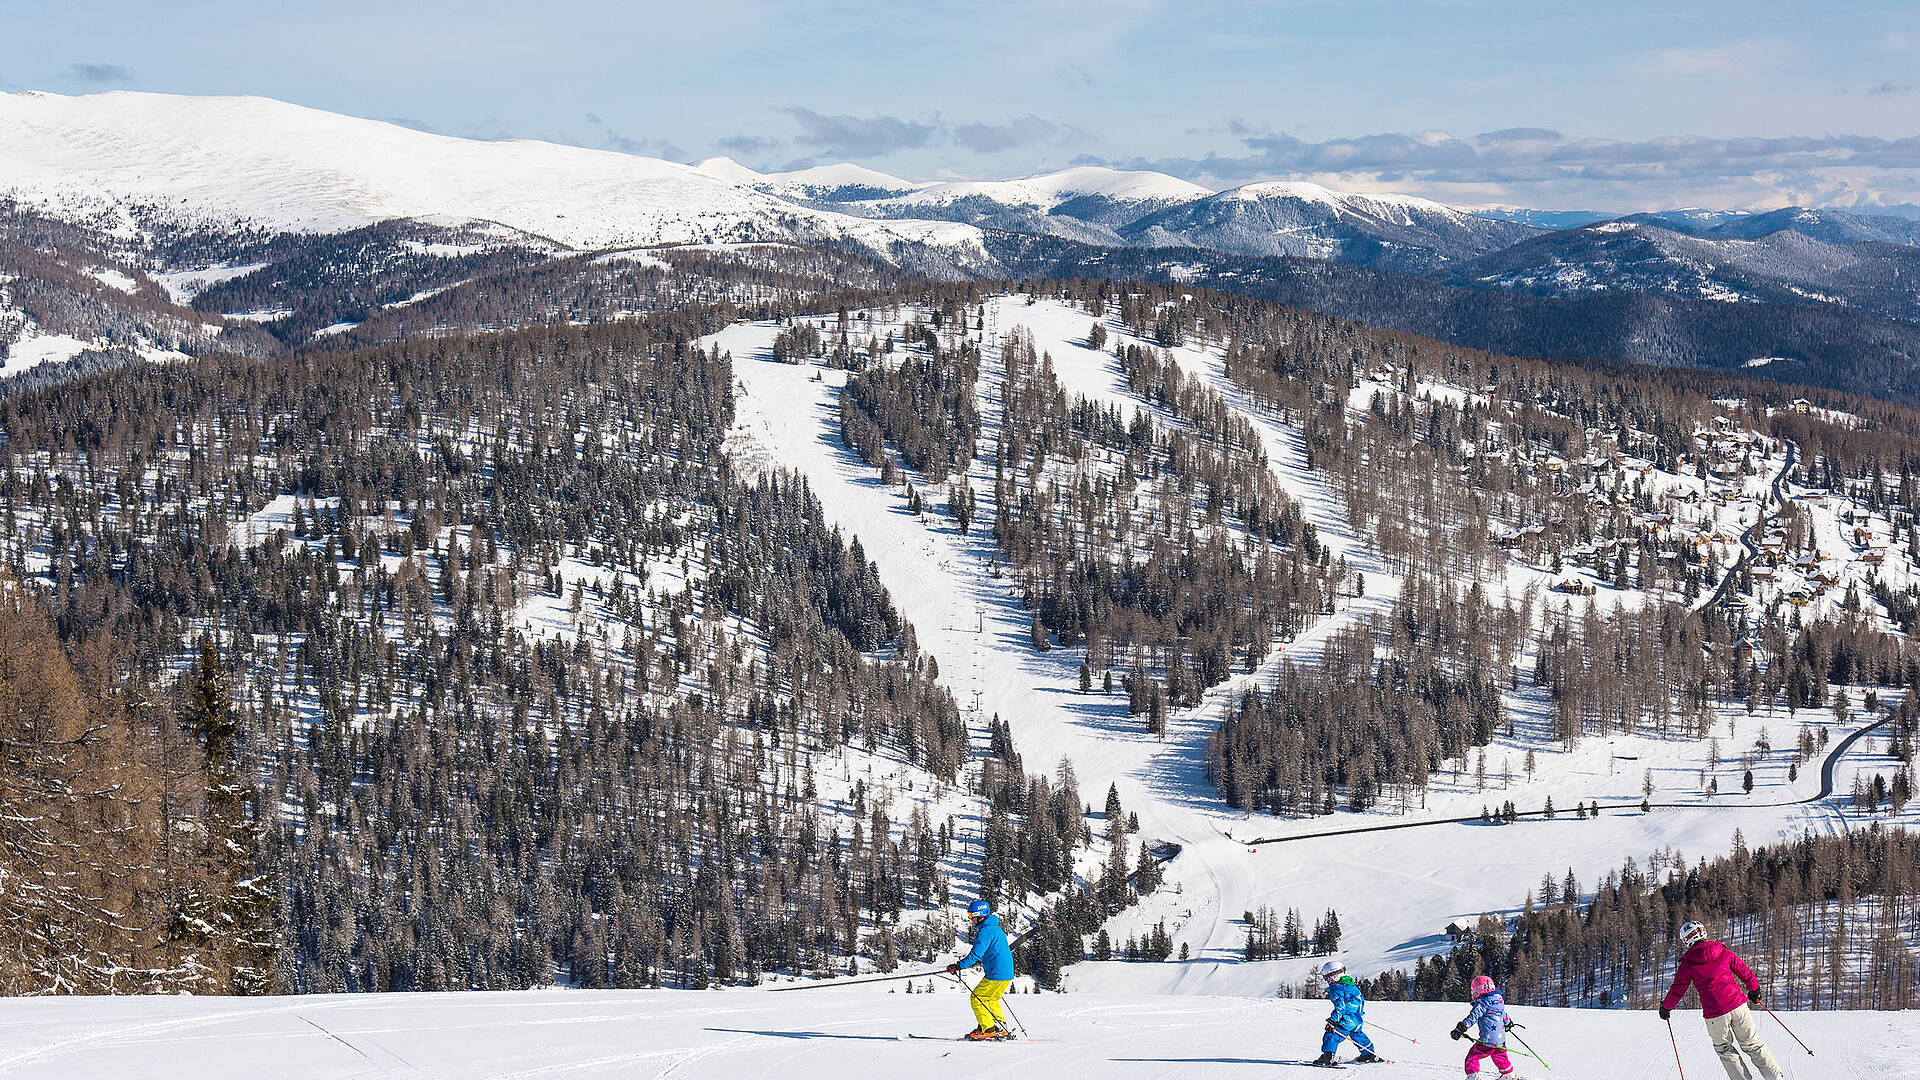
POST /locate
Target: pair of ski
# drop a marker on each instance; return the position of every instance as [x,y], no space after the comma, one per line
[965,1039]
[1338,1064]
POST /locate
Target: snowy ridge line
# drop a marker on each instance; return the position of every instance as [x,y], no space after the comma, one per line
[263,163]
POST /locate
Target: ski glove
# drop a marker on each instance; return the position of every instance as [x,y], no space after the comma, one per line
[1459,1032]
[1753,997]
[1666,1014]
[953,969]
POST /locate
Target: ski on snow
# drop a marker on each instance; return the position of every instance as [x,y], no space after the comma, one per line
[964,1039]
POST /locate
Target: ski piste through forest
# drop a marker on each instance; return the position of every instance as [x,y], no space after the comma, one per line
[982,636]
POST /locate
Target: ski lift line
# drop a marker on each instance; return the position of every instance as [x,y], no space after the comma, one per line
[1826,791]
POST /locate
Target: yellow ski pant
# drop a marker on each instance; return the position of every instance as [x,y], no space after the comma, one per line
[987,1010]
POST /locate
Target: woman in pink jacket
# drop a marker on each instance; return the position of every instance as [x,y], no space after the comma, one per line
[1727,986]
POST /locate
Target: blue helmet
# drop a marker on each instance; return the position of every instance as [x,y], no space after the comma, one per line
[979,909]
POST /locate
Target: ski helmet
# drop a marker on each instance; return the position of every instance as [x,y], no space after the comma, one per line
[1482,986]
[1692,934]
[1332,970]
[979,909]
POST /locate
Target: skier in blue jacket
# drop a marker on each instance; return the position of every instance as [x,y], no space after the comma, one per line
[1346,1021]
[995,957]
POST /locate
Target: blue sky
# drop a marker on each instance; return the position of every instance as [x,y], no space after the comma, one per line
[1618,105]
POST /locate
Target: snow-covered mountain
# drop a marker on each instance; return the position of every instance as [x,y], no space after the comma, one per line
[141,159]
[161,173]
[139,162]
[1834,226]
[1052,191]
[1397,232]
[1087,204]
[822,183]
[1114,207]
[1790,256]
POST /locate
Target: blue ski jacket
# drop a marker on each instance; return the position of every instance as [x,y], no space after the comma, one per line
[990,951]
[1490,1014]
[1348,1004]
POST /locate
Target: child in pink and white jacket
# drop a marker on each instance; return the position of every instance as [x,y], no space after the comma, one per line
[1490,1016]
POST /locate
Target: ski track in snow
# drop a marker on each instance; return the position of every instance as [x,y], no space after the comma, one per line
[819,1035]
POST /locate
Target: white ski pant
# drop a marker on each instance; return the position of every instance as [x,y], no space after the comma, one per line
[1735,1032]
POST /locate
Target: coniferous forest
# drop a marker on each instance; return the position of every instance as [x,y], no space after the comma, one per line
[469,659]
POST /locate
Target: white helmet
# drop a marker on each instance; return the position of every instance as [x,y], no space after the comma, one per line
[1332,969]
[1691,934]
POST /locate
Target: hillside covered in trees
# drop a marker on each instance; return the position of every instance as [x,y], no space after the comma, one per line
[479,660]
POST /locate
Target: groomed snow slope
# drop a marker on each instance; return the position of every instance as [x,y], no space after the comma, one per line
[820,1034]
[249,160]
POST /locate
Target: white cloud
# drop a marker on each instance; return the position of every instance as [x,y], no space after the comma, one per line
[1742,58]
[1541,167]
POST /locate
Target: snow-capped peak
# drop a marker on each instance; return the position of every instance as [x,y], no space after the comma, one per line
[844,174]
[1309,192]
[265,163]
[1051,189]
[725,168]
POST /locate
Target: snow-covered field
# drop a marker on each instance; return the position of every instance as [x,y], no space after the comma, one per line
[632,1035]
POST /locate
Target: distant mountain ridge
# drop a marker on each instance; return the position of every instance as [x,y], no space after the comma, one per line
[152,160]
[1490,247]
[199,186]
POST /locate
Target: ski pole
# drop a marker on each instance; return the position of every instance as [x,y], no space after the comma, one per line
[1390,1031]
[857,982]
[1676,1051]
[1528,1050]
[1008,1009]
[1788,1030]
[1347,1036]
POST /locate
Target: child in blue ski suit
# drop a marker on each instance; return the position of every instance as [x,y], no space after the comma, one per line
[1346,1020]
[1489,1014]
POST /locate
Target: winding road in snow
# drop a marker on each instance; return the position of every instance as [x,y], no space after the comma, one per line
[1748,539]
[1826,791]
